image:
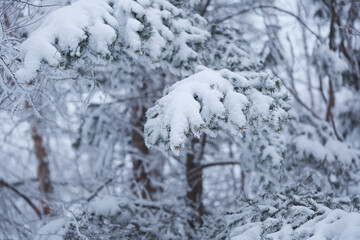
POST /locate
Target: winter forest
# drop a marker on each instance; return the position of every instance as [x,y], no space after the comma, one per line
[180,119]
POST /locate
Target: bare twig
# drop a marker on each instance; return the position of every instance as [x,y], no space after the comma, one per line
[7,185]
[76,223]
[99,189]
[194,172]
[308,62]
[37,5]
[213,164]
[277,9]
[203,10]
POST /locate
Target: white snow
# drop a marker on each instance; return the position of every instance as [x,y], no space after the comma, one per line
[328,225]
[54,230]
[338,224]
[107,206]
[207,102]
[193,104]
[309,147]
[63,30]
[143,28]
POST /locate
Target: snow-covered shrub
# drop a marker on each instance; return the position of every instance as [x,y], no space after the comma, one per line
[117,218]
[317,159]
[297,213]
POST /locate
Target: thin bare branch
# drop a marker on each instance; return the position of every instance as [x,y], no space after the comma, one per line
[31,204]
[275,8]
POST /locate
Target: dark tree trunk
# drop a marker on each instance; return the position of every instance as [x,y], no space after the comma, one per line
[194,178]
[194,181]
[43,171]
[143,171]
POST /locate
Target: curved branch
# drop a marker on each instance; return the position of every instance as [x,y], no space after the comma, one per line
[213,164]
[99,189]
[203,11]
[194,172]
[39,6]
[7,185]
[275,8]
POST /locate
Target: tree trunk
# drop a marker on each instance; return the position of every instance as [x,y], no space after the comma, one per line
[43,171]
[143,171]
[194,181]
[194,177]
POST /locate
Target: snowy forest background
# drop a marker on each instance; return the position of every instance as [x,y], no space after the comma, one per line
[170,119]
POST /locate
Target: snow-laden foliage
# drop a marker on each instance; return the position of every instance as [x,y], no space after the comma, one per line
[158,33]
[210,101]
[318,160]
[328,63]
[229,50]
[295,214]
[298,213]
[186,3]
[77,78]
[66,33]
[152,32]
[349,117]
[115,217]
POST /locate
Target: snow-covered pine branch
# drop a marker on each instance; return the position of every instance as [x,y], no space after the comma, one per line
[160,33]
[66,33]
[227,49]
[210,101]
[151,32]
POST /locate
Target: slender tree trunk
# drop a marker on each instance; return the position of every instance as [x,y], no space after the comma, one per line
[43,171]
[308,62]
[243,180]
[194,181]
[332,46]
[143,187]
[194,177]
